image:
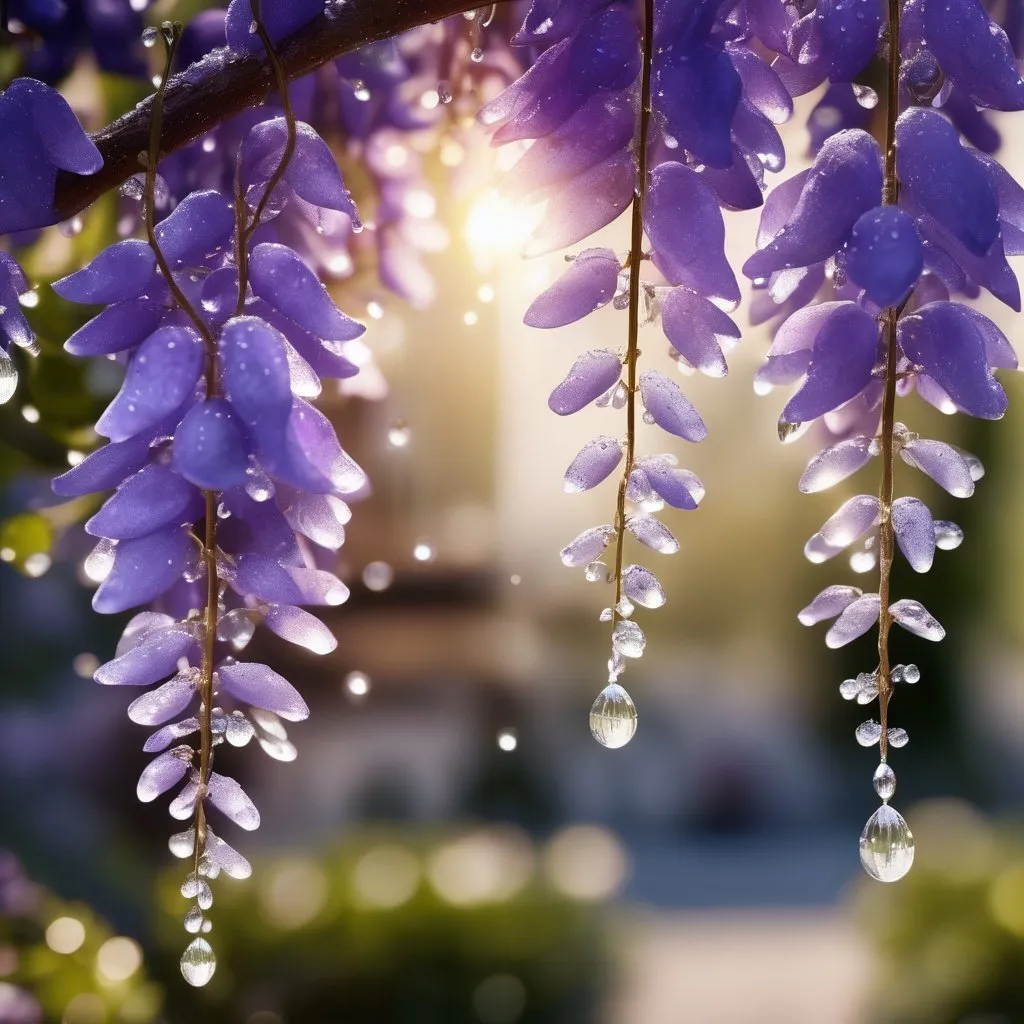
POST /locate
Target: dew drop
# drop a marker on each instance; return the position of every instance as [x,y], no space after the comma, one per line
[886,845]
[444,91]
[150,36]
[359,90]
[911,674]
[865,96]
[596,572]
[789,432]
[613,717]
[849,688]
[625,607]
[948,536]
[884,781]
[194,921]
[198,963]
[8,377]
[477,55]
[606,615]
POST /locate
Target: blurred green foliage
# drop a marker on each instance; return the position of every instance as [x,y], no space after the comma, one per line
[69,960]
[396,928]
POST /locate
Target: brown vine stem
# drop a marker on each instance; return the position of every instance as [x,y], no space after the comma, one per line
[889,319]
[199,98]
[242,252]
[209,497]
[635,262]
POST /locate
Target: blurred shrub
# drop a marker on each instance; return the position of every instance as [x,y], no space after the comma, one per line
[391,928]
[950,936]
[59,962]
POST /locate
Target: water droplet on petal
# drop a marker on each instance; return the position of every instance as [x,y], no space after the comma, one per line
[596,572]
[884,781]
[886,845]
[865,96]
[198,962]
[613,717]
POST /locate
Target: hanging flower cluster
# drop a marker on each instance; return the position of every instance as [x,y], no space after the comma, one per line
[886,239]
[226,478]
[676,124]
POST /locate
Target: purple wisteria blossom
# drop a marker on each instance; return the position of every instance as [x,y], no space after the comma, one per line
[212,435]
[864,257]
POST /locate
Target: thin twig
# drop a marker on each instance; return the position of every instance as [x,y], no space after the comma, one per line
[889,319]
[209,497]
[635,263]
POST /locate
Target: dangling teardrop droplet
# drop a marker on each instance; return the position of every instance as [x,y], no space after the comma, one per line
[884,781]
[613,717]
[198,963]
[886,845]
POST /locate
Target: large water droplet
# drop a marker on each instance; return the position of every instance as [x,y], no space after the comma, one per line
[198,963]
[613,717]
[886,845]
[884,781]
